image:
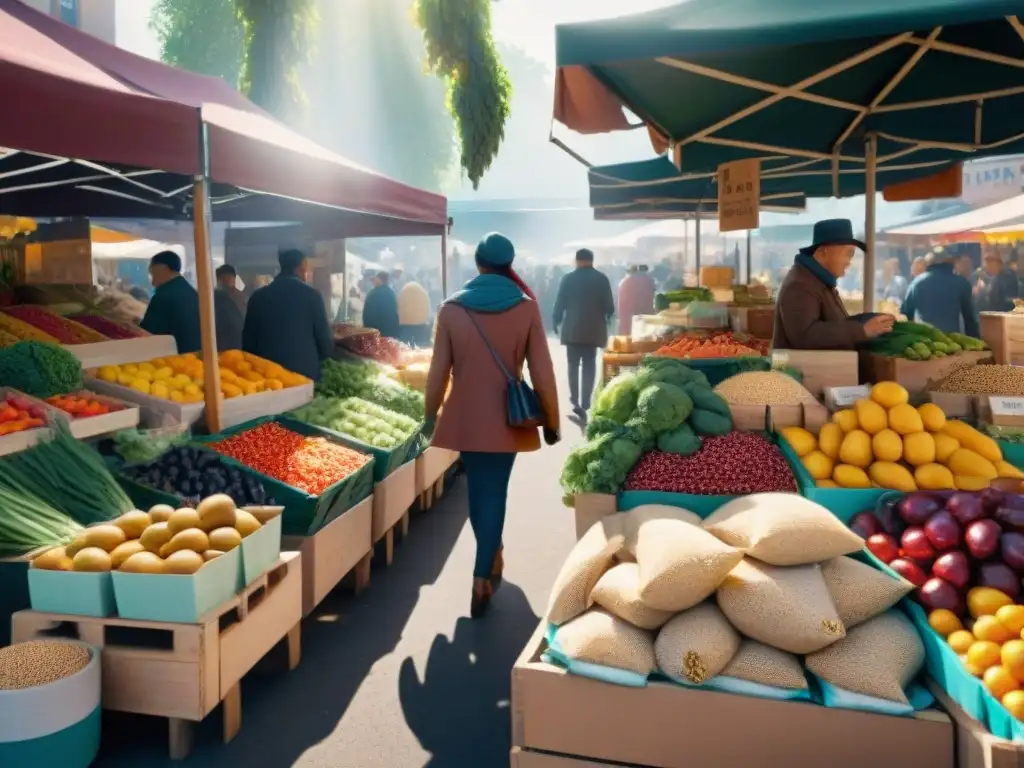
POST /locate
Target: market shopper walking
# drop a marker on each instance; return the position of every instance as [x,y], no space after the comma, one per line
[942,298]
[490,327]
[998,287]
[380,310]
[636,297]
[174,308]
[583,309]
[414,314]
[286,321]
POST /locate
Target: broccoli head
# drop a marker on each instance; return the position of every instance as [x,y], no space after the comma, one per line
[668,369]
[617,399]
[663,406]
[601,465]
[682,440]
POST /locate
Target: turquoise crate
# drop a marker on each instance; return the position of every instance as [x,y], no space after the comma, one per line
[260,550]
[304,514]
[718,370]
[844,503]
[702,506]
[83,594]
[1012,452]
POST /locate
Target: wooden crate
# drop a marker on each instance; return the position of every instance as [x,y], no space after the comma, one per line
[340,548]
[431,466]
[183,671]
[975,746]
[392,498]
[613,362]
[591,507]
[527,758]
[810,416]
[820,368]
[916,376]
[1004,333]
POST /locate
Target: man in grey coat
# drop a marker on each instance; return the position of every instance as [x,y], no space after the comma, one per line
[582,310]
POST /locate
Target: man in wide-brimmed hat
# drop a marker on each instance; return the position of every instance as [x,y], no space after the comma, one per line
[809,313]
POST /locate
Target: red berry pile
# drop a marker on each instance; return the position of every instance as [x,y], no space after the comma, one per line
[732,465]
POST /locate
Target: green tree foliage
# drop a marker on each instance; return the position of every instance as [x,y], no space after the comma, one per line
[201,36]
[461,51]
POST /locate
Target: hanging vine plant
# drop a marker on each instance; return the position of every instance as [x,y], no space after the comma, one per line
[461,50]
[278,40]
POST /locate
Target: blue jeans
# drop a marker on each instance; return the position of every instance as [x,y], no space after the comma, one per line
[487,475]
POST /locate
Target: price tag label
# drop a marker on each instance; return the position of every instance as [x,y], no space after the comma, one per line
[844,397]
[1006,406]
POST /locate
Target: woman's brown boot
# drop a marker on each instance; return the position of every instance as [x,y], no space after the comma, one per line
[497,569]
[482,592]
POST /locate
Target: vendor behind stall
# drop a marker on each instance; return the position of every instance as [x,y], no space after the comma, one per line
[809,313]
[174,308]
[942,298]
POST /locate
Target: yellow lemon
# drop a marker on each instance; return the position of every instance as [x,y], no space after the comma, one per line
[242,367]
[109,372]
[191,389]
[147,367]
[163,373]
[125,379]
[159,389]
[140,385]
[182,380]
[196,398]
[130,368]
[177,396]
[159,362]
[144,375]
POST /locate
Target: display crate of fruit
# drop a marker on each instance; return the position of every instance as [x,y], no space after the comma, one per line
[124,351]
[60,328]
[24,421]
[90,414]
[289,458]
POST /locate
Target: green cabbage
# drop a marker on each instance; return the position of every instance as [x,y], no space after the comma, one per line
[617,399]
[663,407]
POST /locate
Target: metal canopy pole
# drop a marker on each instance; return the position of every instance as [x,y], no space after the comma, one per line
[870,188]
[201,225]
[696,245]
[748,256]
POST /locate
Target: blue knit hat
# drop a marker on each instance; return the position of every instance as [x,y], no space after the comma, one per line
[495,250]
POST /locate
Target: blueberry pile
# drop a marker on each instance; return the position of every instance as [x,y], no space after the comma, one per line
[194,474]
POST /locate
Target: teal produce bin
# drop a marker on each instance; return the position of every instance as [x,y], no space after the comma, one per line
[719,369]
[702,506]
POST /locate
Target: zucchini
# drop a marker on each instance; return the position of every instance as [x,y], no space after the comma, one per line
[926,332]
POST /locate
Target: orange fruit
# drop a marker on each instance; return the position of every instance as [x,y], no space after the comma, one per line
[1012,657]
[985,601]
[990,628]
[971,669]
[983,654]
[1014,703]
[1012,617]
[960,641]
[999,681]
[944,621]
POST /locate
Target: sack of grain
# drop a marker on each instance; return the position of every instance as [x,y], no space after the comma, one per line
[599,638]
[618,592]
[859,591]
[681,564]
[758,663]
[878,658]
[782,529]
[786,608]
[696,645]
[638,515]
[593,554]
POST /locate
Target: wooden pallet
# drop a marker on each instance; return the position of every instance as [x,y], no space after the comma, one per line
[183,671]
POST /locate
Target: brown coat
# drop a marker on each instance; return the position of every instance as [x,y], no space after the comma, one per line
[475,416]
[810,315]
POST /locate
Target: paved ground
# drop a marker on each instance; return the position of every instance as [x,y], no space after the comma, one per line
[399,677]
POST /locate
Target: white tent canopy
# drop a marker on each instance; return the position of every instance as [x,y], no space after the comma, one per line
[667,229]
[1003,212]
[133,249]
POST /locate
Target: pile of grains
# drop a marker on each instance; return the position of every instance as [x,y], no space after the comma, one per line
[763,388]
[731,465]
[1006,380]
[39,662]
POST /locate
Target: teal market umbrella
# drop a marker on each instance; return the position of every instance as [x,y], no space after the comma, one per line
[907,84]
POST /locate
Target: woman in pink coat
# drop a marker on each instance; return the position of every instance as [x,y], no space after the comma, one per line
[494,311]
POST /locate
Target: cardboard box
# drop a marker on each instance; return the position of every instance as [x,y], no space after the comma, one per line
[670,726]
[916,376]
[975,746]
[820,369]
[1004,333]
[591,507]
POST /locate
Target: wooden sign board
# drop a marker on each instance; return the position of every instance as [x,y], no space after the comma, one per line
[739,195]
[1006,411]
[837,398]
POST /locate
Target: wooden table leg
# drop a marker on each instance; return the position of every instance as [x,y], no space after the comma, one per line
[363,572]
[180,733]
[405,525]
[294,640]
[233,712]
[389,546]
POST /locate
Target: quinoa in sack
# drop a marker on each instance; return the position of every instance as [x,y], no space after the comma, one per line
[618,592]
[597,637]
[877,658]
[759,663]
[593,554]
[680,564]
[633,519]
[861,592]
[696,645]
[787,608]
[782,529]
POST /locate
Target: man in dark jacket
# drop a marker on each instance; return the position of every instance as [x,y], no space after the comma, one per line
[996,294]
[228,309]
[380,310]
[582,309]
[286,321]
[174,308]
[809,313]
[942,298]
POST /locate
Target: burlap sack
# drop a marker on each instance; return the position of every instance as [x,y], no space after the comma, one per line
[600,638]
[782,529]
[786,608]
[859,591]
[680,563]
[618,592]
[696,645]
[593,554]
[759,663]
[877,658]
[638,515]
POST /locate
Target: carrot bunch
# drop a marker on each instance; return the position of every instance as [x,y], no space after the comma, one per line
[706,347]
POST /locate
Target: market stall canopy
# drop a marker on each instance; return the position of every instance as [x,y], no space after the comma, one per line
[137,129]
[659,180]
[134,249]
[670,229]
[654,207]
[1006,234]
[721,80]
[978,220]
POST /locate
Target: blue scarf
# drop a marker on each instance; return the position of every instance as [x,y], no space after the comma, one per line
[808,262]
[489,293]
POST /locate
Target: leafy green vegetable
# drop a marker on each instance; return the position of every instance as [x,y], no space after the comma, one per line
[367,380]
[682,440]
[663,406]
[617,399]
[709,422]
[138,446]
[600,466]
[40,369]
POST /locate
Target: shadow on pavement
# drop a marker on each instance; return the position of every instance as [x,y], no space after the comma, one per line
[287,713]
[460,710]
